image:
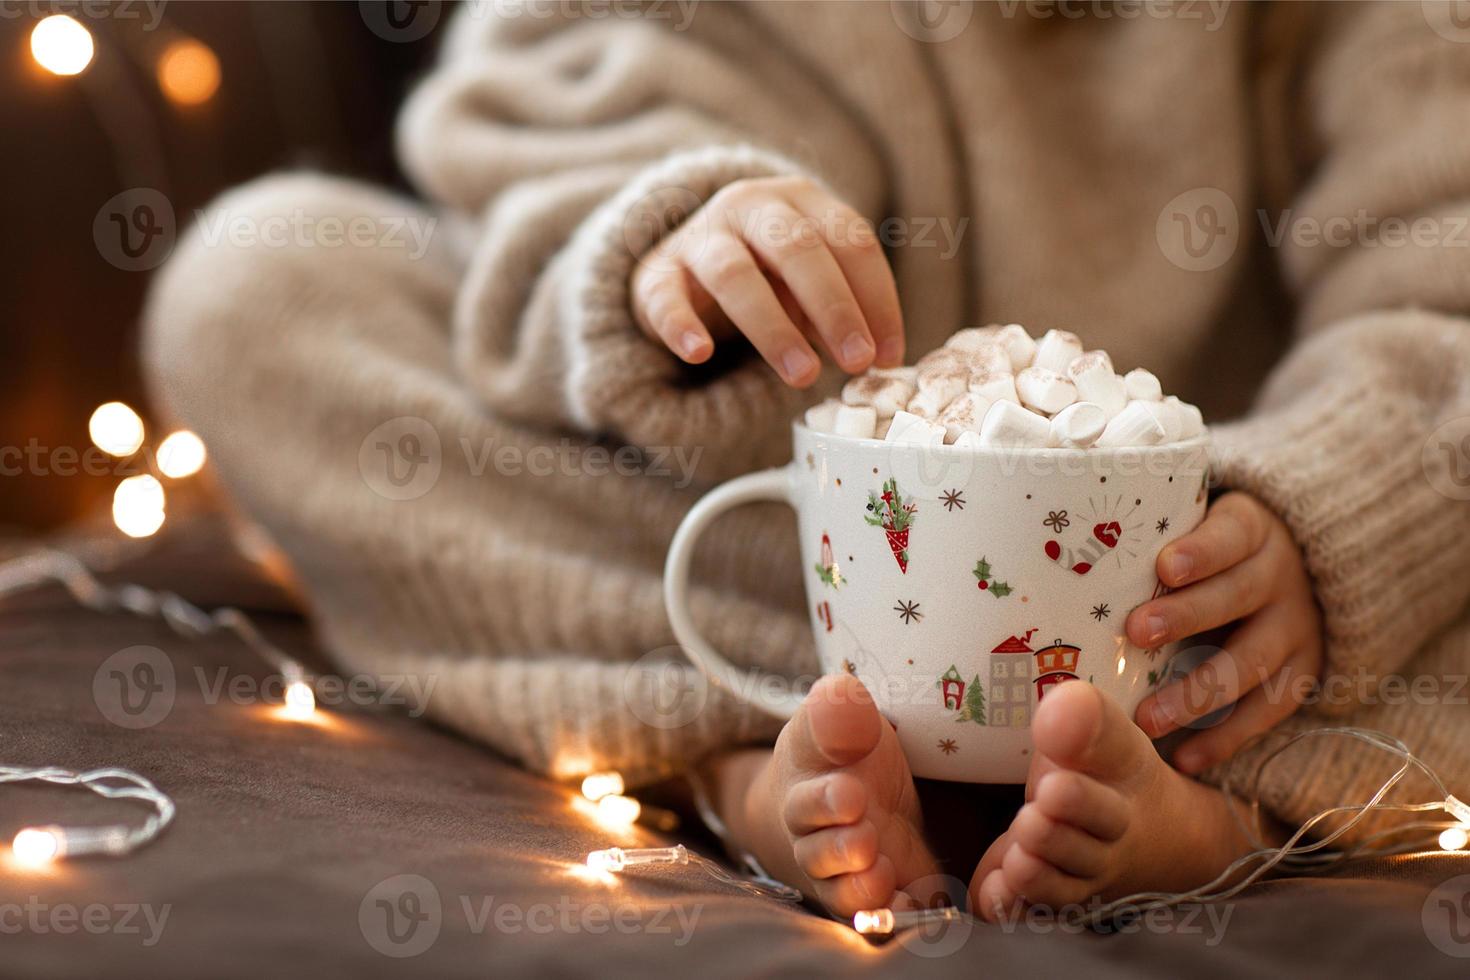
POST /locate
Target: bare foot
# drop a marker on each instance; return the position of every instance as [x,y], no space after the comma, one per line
[1105,816]
[833,809]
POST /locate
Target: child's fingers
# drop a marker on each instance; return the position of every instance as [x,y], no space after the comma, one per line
[726,269]
[664,309]
[1259,711]
[1219,599]
[1233,530]
[793,248]
[859,253]
[1254,652]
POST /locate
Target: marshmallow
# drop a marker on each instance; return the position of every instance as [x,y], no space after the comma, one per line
[1078,425]
[1056,350]
[1017,343]
[995,386]
[1093,375]
[885,395]
[1136,425]
[1045,390]
[823,417]
[881,430]
[991,359]
[908,373]
[1191,421]
[969,440]
[962,415]
[971,338]
[1143,386]
[937,390]
[857,421]
[1170,416]
[1008,424]
[914,430]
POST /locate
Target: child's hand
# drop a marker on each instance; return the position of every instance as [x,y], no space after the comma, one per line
[783,262]
[1241,563]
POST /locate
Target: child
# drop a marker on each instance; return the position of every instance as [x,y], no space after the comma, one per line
[717,181]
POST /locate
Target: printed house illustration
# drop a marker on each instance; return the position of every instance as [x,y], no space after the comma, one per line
[1011,666]
[1055,664]
[952,689]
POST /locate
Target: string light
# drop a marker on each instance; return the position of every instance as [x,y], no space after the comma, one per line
[614,860]
[596,785]
[188,72]
[1454,838]
[300,701]
[180,455]
[884,922]
[114,427]
[61,45]
[37,847]
[618,810]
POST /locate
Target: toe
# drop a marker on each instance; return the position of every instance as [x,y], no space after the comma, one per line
[1077,728]
[837,850]
[991,898]
[842,723]
[1060,844]
[830,800]
[1085,803]
[871,888]
[1040,882]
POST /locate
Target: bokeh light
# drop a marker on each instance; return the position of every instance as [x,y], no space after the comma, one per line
[188,72]
[61,45]
[181,454]
[138,506]
[34,847]
[116,429]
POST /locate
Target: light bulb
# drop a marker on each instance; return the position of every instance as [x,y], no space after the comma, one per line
[300,701]
[599,784]
[115,428]
[618,809]
[180,455]
[873,922]
[608,860]
[1454,839]
[37,846]
[61,45]
[138,505]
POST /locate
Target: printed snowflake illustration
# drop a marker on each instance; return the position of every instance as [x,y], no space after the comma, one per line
[1162,525]
[1101,612]
[948,746]
[953,499]
[908,611]
[1056,520]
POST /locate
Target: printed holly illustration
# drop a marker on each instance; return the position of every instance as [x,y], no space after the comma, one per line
[987,580]
[888,511]
[827,569]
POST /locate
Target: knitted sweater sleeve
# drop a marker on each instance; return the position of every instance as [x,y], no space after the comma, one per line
[1361,439]
[581,142]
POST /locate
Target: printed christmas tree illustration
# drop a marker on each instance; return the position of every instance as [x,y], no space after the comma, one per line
[974,709]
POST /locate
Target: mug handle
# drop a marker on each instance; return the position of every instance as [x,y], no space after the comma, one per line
[774,485]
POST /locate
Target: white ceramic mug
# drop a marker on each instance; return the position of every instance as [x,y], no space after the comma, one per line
[960,585]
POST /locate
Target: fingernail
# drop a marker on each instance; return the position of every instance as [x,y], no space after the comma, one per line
[795,364]
[856,349]
[1180,565]
[890,352]
[691,344]
[1156,628]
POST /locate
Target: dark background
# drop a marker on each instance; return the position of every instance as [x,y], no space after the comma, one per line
[303,85]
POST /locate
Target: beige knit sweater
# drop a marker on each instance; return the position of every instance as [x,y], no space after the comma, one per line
[554,147]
